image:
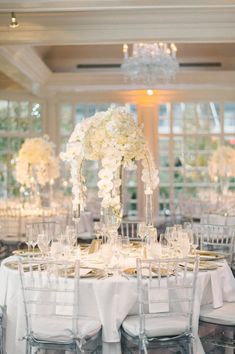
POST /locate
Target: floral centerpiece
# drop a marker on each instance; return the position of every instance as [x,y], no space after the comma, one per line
[222,162]
[36,162]
[222,165]
[113,138]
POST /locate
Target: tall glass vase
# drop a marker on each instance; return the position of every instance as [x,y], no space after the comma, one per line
[149,209]
[111,219]
[35,196]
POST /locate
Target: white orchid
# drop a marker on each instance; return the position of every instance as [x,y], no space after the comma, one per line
[114,138]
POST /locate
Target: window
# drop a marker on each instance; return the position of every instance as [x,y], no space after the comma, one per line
[188,134]
[71,114]
[18,121]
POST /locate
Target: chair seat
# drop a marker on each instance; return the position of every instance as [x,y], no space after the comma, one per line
[156,326]
[59,330]
[224,315]
[86,235]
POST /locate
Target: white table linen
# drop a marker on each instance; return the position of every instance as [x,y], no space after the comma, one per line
[110,300]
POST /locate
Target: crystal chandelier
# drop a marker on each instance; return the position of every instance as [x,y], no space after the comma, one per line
[150,63]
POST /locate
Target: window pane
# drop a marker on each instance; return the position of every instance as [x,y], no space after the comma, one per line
[36,115]
[66,119]
[229,117]
[164,118]
[3,115]
[15,119]
[178,112]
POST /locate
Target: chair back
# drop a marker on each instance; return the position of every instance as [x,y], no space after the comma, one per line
[218,238]
[218,219]
[50,297]
[129,229]
[166,289]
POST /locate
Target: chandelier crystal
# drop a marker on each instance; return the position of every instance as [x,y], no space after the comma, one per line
[150,63]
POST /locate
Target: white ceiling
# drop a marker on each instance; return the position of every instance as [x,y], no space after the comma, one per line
[53,37]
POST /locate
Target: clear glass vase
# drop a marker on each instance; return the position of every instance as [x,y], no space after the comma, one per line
[149,209]
[111,219]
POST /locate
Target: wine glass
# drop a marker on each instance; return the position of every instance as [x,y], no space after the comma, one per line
[106,254]
[28,232]
[34,240]
[43,243]
[142,230]
[71,235]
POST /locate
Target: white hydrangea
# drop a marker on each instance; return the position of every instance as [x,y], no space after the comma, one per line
[37,161]
[222,162]
[114,138]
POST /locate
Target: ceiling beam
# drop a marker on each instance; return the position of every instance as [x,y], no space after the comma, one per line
[96,5]
[24,66]
[118,26]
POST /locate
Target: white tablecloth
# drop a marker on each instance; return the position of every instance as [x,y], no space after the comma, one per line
[109,300]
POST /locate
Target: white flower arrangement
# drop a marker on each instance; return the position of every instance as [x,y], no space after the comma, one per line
[222,163]
[114,138]
[36,162]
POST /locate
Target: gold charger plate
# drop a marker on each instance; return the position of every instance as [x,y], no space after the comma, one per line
[14,266]
[210,255]
[92,273]
[25,253]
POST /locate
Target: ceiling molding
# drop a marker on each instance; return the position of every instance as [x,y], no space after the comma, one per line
[114,81]
[118,26]
[94,5]
[24,66]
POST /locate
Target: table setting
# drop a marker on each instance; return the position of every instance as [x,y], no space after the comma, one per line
[108,271]
[108,275]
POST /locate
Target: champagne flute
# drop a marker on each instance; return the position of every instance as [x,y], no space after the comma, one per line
[34,241]
[28,232]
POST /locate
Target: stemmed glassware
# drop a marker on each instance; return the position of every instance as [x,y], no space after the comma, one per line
[98,229]
[106,254]
[142,230]
[31,237]
[28,231]
[43,242]
[71,234]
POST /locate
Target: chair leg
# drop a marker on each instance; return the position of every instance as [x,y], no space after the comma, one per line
[28,348]
[1,340]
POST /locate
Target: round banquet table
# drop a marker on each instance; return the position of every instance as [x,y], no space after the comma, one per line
[110,300]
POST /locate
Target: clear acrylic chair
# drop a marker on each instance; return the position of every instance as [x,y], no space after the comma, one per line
[166,290]
[51,299]
[129,229]
[219,324]
[218,238]
[2,329]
